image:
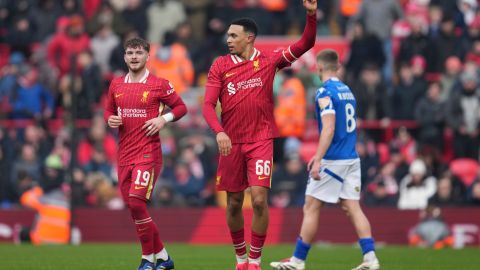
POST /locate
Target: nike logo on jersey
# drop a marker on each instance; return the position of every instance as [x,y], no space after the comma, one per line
[118,95]
[227,75]
[139,187]
[263,177]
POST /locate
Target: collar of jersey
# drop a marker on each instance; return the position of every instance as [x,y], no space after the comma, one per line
[142,80]
[236,59]
[333,79]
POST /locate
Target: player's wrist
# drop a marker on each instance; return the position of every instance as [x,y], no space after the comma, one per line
[311,12]
[168,117]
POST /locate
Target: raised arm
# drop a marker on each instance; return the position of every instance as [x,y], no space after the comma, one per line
[307,41]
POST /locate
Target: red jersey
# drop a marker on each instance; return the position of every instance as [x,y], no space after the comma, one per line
[245,90]
[246,94]
[136,103]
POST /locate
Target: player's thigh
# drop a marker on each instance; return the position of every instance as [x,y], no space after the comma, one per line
[259,163]
[352,185]
[125,180]
[232,171]
[144,177]
[329,187]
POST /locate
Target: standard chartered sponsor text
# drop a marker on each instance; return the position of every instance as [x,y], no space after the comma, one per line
[254,82]
[126,112]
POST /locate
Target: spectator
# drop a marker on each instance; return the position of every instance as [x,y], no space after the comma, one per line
[52,224]
[27,163]
[463,116]
[416,43]
[432,231]
[107,15]
[416,187]
[21,37]
[102,44]
[63,46]
[46,15]
[164,16]
[378,17]
[136,12]
[165,195]
[406,94]
[371,95]
[291,181]
[383,190]
[446,44]
[365,50]
[430,116]
[445,196]
[369,160]
[97,137]
[473,198]
[171,61]
[92,86]
[451,77]
[290,111]
[32,99]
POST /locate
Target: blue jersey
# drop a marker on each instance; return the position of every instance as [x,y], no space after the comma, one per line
[343,105]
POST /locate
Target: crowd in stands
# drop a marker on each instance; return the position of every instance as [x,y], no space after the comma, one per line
[412,65]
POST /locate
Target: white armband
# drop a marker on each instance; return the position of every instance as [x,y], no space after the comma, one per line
[168,117]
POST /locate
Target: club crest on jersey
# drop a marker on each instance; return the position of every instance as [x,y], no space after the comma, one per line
[256,65]
[145,96]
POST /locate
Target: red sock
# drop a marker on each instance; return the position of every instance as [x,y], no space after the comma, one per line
[143,224]
[157,243]
[256,246]
[238,240]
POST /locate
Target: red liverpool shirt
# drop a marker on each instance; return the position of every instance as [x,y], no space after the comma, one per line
[136,103]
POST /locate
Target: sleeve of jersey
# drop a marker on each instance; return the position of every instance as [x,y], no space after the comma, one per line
[175,102]
[109,104]
[212,92]
[306,42]
[325,102]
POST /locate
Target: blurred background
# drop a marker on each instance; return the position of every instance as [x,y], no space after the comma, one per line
[413,66]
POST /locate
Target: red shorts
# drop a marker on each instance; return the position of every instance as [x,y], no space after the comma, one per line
[249,164]
[138,180]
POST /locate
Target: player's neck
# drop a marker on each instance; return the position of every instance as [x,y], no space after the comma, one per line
[247,54]
[328,75]
[135,77]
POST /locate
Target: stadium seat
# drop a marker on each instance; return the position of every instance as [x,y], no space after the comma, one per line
[465,169]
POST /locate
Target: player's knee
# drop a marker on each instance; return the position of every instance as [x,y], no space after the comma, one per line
[259,204]
[136,205]
[234,205]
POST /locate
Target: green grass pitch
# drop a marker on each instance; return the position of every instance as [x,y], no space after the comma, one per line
[196,257]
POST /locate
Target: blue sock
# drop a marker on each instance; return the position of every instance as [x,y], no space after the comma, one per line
[301,249]
[367,245]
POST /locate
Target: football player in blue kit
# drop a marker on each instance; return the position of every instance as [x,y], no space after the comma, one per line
[335,168]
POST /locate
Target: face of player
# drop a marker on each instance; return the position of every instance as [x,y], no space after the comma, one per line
[238,39]
[136,58]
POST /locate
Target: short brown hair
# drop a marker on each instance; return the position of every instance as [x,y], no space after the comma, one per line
[329,58]
[136,43]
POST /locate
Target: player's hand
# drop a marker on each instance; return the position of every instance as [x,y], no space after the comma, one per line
[310,6]
[224,144]
[114,121]
[314,167]
[154,125]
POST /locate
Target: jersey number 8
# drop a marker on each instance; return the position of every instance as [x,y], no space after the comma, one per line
[350,118]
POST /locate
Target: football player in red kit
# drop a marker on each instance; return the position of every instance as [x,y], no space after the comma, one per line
[135,105]
[242,81]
